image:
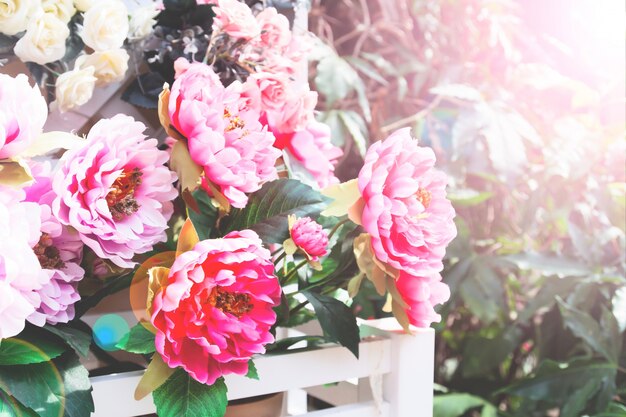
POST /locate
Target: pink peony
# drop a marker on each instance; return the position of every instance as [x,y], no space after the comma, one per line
[59,251]
[296,114]
[23,112]
[224,134]
[217,307]
[421,294]
[405,209]
[275,32]
[21,277]
[310,237]
[313,148]
[235,19]
[274,89]
[115,190]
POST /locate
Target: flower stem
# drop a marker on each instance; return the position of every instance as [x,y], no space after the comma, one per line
[280,258]
[291,273]
[337,226]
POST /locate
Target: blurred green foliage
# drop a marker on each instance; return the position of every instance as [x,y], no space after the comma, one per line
[536,158]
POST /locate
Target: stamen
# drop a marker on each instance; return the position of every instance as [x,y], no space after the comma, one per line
[48,255]
[424,197]
[121,199]
[233,303]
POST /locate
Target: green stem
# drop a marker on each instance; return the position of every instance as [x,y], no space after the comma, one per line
[291,273]
[298,307]
[337,226]
[280,258]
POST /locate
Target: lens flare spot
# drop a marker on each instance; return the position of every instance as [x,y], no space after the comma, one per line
[108,330]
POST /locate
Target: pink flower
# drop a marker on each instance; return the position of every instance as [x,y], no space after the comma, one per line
[59,251]
[275,32]
[296,114]
[421,294]
[310,237]
[224,134]
[273,88]
[313,148]
[23,112]
[405,209]
[115,190]
[216,310]
[21,277]
[235,18]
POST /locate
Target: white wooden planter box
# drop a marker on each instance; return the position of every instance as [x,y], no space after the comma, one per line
[393,377]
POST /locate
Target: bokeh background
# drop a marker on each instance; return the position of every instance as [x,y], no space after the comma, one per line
[523,102]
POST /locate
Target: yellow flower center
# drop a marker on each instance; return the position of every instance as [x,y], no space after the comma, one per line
[121,198]
[424,197]
[233,303]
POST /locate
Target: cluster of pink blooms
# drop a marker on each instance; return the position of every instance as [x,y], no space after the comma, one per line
[409,219]
[111,193]
[237,133]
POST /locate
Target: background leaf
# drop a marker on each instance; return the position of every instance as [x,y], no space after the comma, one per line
[183,396]
[138,340]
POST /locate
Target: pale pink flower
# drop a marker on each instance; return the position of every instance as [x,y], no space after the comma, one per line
[296,114]
[275,32]
[422,294]
[235,19]
[314,150]
[21,276]
[59,251]
[224,135]
[115,190]
[274,89]
[405,209]
[310,237]
[23,112]
[216,309]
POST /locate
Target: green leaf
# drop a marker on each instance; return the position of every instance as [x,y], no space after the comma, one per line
[337,320]
[468,197]
[579,399]
[457,404]
[482,355]
[10,407]
[31,346]
[482,292]
[283,345]
[555,383]
[74,338]
[585,327]
[138,340]
[204,221]
[252,372]
[51,389]
[548,265]
[546,297]
[183,396]
[267,209]
[358,130]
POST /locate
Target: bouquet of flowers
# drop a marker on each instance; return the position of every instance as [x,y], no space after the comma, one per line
[90,37]
[238,227]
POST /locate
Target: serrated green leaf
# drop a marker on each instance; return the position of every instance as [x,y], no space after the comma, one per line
[357,128]
[74,338]
[252,371]
[51,389]
[138,340]
[267,209]
[31,346]
[10,407]
[337,321]
[183,396]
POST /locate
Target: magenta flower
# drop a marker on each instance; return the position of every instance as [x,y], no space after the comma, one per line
[59,252]
[21,276]
[23,112]
[115,190]
[217,307]
[224,134]
[405,209]
[310,237]
[422,294]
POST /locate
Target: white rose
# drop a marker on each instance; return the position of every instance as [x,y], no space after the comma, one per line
[15,14]
[63,9]
[74,88]
[141,21]
[109,66]
[83,5]
[44,40]
[105,25]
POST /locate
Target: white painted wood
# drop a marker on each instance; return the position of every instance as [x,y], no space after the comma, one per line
[404,364]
